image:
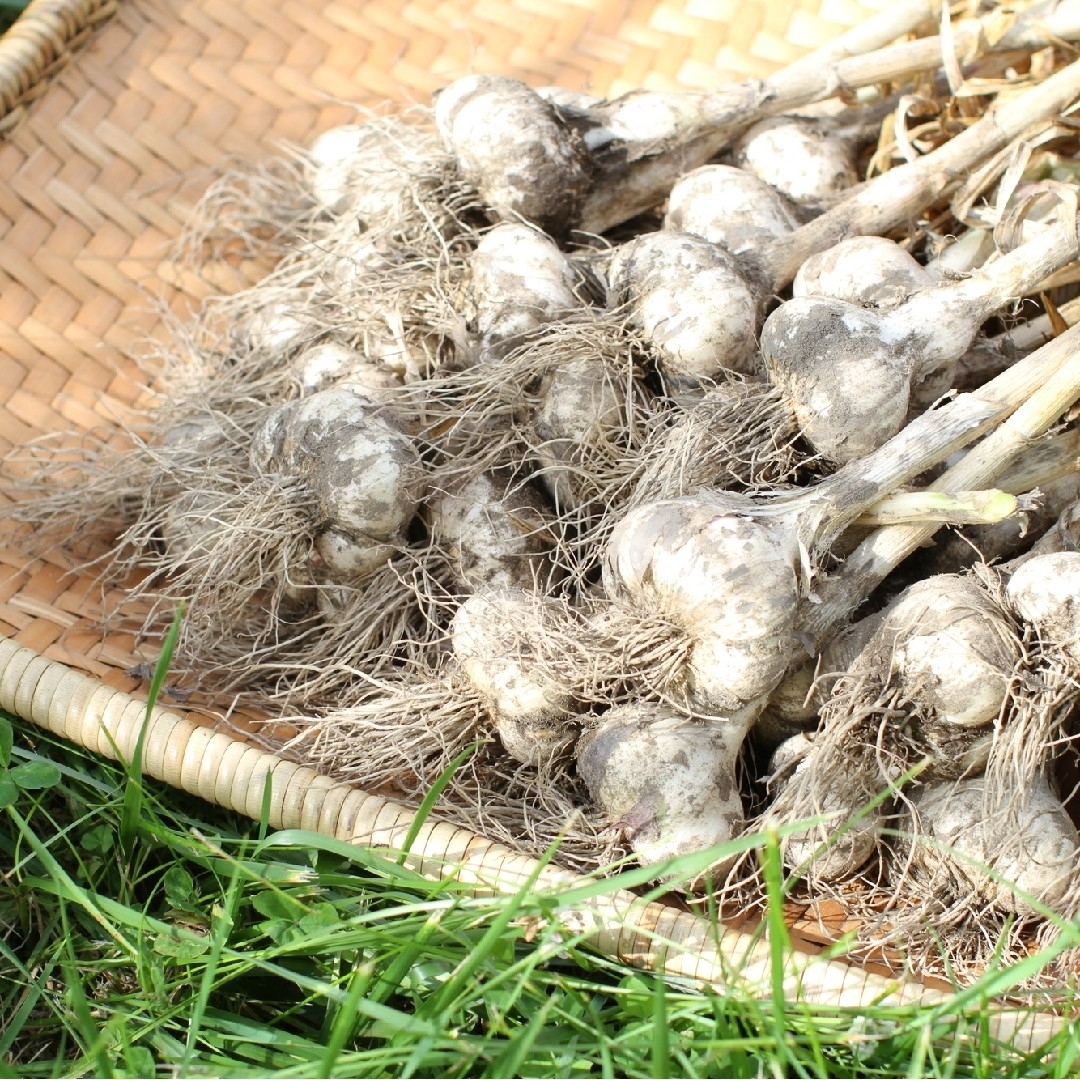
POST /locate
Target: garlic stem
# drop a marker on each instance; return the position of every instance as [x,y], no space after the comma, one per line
[956,508]
[893,197]
[1029,397]
[635,172]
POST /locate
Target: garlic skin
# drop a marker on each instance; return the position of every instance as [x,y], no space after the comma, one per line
[846,371]
[366,171]
[498,637]
[925,689]
[1045,592]
[356,263]
[519,281]
[513,147]
[1026,837]
[729,581]
[497,533]
[692,301]
[330,365]
[800,157]
[359,470]
[645,116]
[851,374]
[795,703]
[666,781]
[279,328]
[582,406]
[729,207]
[567,101]
[872,271]
[952,650]
[330,165]
[817,851]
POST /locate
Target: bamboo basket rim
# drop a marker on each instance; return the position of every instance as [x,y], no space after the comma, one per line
[235,774]
[40,43]
[89,711]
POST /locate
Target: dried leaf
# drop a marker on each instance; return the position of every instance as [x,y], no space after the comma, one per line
[1058,325]
[949,61]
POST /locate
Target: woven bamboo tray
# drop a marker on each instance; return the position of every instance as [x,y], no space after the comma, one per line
[116,116]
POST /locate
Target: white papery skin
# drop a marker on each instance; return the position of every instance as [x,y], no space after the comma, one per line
[789,754]
[1033,845]
[278,328]
[664,780]
[355,262]
[648,116]
[331,364]
[1045,592]
[848,372]
[329,165]
[799,157]
[729,581]
[497,635]
[729,207]
[497,534]
[362,472]
[582,406]
[512,146]
[364,169]
[692,302]
[567,100]
[795,703]
[491,635]
[847,853]
[520,280]
[967,252]
[869,270]
[953,649]
[843,859]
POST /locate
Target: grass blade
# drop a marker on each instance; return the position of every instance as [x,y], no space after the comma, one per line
[133,790]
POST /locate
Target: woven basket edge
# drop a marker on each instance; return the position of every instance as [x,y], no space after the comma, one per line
[39,45]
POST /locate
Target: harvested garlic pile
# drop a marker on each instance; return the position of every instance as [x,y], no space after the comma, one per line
[596,433]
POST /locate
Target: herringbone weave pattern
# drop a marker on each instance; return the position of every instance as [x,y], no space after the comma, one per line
[108,146]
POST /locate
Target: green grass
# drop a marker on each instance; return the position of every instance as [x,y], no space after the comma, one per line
[202,947]
[143,932]
[10,10]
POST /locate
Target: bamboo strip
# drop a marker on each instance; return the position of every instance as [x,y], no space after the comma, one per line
[225,770]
